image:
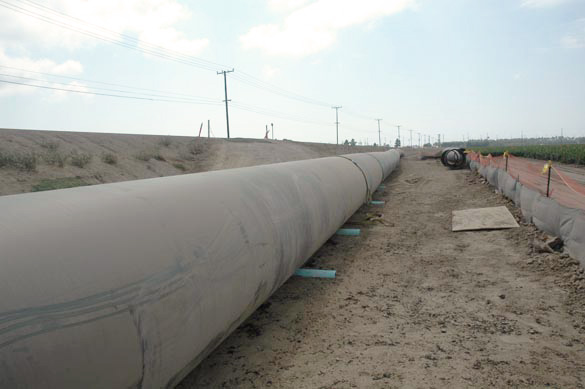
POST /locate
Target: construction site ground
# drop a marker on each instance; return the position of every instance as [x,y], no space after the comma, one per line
[416,305]
[413,304]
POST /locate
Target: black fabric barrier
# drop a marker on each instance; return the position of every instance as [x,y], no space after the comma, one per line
[548,215]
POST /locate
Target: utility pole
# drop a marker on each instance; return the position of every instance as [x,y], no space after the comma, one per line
[439,140]
[227,117]
[336,108]
[272,125]
[410,138]
[419,143]
[379,136]
[208,128]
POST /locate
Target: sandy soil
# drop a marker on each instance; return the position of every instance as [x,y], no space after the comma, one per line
[140,156]
[416,305]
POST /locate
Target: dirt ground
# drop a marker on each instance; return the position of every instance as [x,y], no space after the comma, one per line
[416,305]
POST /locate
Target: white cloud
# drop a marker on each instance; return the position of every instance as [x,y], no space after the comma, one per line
[286,5]
[314,27]
[269,71]
[152,19]
[8,63]
[575,37]
[542,3]
[573,41]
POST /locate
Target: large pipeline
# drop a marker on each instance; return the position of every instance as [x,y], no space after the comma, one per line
[132,284]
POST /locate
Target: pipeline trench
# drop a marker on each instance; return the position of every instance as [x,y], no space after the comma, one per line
[415,305]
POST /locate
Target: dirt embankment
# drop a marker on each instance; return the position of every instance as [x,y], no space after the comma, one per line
[39,160]
[416,305]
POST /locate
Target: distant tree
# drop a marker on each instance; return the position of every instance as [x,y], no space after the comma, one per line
[427,145]
[478,143]
[346,143]
[352,142]
[397,143]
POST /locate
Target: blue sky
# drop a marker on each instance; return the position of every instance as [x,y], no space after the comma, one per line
[459,68]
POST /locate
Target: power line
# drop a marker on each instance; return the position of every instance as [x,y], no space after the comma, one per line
[162,53]
[272,113]
[150,48]
[140,45]
[106,94]
[103,83]
[129,37]
[195,100]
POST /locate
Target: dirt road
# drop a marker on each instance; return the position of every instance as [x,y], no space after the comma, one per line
[415,305]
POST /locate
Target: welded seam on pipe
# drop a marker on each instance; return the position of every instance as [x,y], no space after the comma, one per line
[384,176]
[368,193]
[379,163]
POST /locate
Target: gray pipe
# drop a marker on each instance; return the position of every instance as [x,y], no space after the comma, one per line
[132,284]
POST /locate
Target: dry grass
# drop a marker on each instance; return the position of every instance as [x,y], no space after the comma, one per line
[20,161]
[110,158]
[80,159]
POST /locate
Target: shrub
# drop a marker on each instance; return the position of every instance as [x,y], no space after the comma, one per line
[80,159]
[144,156]
[147,155]
[165,141]
[54,158]
[50,145]
[109,158]
[195,148]
[22,161]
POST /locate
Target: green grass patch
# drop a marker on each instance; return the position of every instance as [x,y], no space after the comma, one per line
[179,166]
[58,183]
[571,153]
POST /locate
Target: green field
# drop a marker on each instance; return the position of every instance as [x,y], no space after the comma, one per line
[573,154]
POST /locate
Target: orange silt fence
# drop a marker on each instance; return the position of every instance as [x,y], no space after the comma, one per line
[566,183]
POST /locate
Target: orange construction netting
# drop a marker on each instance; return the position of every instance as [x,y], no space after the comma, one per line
[567,183]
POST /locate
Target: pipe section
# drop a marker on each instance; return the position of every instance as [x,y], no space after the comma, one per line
[453,158]
[132,284]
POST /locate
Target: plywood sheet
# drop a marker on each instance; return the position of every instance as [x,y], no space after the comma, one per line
[493,218]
